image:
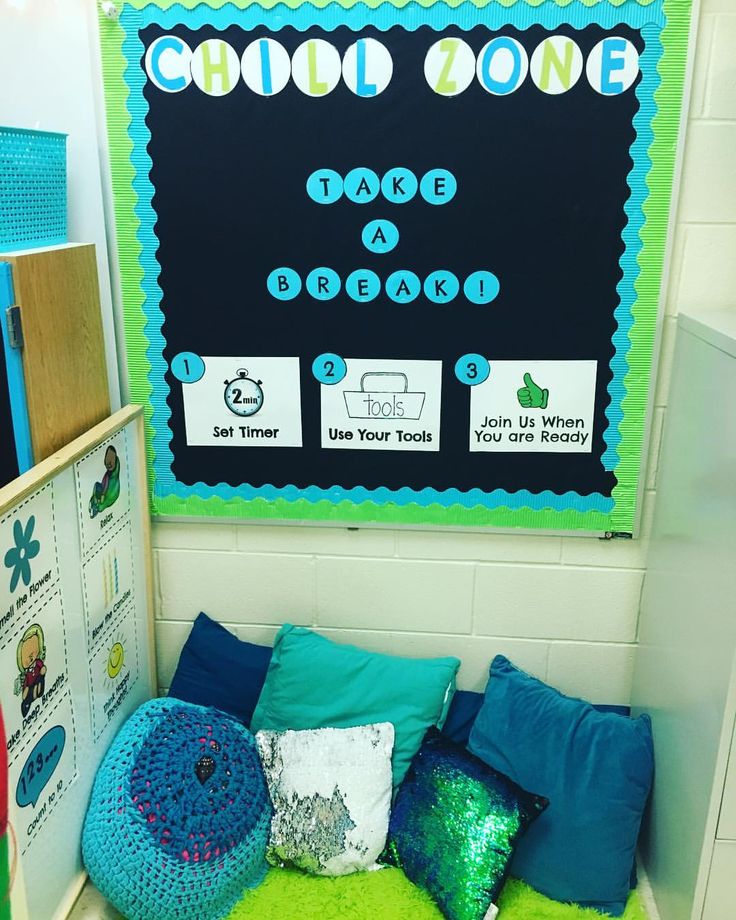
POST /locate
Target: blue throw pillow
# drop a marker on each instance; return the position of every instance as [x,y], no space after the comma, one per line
[466,705]
[218,669]
[595,768]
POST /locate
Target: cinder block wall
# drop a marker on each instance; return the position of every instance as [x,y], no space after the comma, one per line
[564,608]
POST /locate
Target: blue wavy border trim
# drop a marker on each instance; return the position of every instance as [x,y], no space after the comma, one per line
[425,498]
[650,19]
[629,261]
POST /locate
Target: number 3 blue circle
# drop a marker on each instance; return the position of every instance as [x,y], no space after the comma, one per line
[187,367]
[329,369]
[472,369]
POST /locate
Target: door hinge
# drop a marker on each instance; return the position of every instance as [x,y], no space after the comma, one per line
[15,327]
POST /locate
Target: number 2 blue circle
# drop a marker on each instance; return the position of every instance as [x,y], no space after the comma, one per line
[472,369]
[329,368]
[187,367]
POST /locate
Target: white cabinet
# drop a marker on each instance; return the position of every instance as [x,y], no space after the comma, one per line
[684,673]
[727,818]
[720,897]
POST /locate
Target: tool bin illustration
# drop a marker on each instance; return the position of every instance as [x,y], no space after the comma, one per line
[384,395]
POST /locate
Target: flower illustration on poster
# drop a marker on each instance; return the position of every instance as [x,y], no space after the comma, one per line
[18,557]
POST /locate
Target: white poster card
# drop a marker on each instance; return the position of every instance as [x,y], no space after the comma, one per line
[383,404]
[244,402]
[534,407]
[103,490]
[108,580]
[40,778]
[34,671]
[113,671]
[28,552]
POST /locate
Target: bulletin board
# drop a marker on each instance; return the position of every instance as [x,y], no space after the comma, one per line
[75,641]
[394,263]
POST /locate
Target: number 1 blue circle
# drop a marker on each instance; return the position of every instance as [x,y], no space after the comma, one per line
[329,369]
[187,367]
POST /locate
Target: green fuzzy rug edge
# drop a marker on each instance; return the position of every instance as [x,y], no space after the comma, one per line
[287,894]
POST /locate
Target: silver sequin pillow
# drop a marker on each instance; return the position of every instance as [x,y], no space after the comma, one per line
[331,795]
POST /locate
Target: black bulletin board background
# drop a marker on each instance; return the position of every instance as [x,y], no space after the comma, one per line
[541,191]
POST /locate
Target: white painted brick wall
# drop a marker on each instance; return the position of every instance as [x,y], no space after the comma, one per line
[563,608]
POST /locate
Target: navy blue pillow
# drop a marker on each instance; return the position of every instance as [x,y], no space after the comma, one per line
[218,669]
[595,768]
[464,708]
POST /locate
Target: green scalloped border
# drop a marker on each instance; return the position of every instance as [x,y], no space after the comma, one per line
[344,511]
[662,152]
[128,249]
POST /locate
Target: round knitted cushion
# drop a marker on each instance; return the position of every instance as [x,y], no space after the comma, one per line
[179,817]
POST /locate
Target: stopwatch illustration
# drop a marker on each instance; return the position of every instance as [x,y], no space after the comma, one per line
[243,395]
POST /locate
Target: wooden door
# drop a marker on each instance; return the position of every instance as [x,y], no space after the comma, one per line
[63,353]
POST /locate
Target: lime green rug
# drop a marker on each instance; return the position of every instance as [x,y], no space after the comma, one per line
[388,895]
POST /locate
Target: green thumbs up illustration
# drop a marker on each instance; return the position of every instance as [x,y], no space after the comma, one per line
[531,395]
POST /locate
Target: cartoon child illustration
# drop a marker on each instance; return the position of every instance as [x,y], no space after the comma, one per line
[107,492]
[30,657]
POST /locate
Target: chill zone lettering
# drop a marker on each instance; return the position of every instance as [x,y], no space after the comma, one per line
[366,67]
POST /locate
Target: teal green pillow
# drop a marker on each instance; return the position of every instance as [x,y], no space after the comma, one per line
[313,682]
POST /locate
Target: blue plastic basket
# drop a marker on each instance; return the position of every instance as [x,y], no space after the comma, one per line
[32,188]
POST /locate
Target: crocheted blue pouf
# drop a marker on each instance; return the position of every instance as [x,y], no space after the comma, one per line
[179,817]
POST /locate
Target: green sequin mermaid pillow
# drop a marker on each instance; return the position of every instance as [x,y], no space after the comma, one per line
[454,826]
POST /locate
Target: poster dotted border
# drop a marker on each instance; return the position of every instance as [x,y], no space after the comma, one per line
[39,728]
[126,611]
[69,785]
[88,551]
[31,498]
[40,724]
[96,735]
[88,555]
[124,522]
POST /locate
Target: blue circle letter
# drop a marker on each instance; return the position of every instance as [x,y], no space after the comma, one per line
[363,285]
[403,286]
[324,186]
[438,186]
[380,236]
[399,185]
[361,185]
[323,283]
[441,287]
[284,283]
[481,287]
